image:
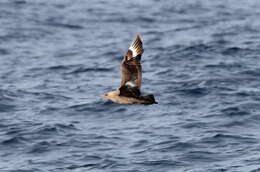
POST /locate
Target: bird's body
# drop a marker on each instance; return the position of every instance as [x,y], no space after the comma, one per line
[115,97]
[131,78]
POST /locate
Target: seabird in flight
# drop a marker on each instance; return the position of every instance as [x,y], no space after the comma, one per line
[129,91]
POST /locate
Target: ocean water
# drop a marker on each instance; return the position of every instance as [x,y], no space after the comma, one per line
[201,61]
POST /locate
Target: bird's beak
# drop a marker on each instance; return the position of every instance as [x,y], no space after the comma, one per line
[104,96]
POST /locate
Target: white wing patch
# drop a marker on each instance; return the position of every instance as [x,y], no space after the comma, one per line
[130,83]
[137,46]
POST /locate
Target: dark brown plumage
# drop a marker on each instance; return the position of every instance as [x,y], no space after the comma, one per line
[131,77]
[131,69]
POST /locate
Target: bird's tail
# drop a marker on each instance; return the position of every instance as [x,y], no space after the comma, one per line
[149,98]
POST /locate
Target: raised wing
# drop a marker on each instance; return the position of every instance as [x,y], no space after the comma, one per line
[136,46]
[131,69]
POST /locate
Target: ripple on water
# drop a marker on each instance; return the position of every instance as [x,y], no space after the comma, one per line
[201,61]
[234,111]
[15,140]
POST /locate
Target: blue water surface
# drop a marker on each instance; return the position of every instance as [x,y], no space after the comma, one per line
[201,61]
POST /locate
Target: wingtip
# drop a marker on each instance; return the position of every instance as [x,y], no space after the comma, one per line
[137,46]
[138,36]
